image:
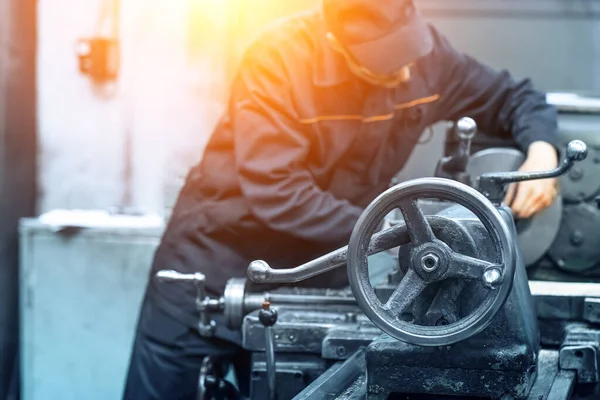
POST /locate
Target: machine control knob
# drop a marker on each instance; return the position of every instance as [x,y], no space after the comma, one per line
[267,316]
[455,166]
[259,271]
[466,128]
[576,151]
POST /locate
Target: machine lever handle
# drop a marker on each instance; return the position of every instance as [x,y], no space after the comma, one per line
[454,167]
[493,185]
[169,275]
[206,326]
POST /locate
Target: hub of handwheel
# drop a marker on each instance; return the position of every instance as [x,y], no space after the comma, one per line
[430,262]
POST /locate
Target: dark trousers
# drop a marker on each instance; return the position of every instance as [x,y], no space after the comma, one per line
[167,355]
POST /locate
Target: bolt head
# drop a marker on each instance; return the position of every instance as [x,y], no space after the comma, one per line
[492,277]
[430,262]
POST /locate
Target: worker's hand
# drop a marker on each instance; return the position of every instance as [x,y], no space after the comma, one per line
[531,197]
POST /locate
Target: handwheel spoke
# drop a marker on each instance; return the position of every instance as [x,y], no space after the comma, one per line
[405,293]
[466,267]
[418,228]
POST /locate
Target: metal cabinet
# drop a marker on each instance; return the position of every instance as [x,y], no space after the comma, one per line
[80,296]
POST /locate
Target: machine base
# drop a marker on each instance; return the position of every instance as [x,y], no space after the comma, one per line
[394,366]
[347,381]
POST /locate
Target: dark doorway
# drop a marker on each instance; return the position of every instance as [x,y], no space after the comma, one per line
[17,169]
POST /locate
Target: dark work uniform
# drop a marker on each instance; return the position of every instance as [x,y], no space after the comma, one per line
[303,148]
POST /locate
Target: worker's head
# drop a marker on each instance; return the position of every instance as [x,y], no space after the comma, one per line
[380,39]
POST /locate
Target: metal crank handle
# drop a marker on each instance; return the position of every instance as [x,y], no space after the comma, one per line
[204,305]
[492,185]
[169,275]
[260,272]
[576,151]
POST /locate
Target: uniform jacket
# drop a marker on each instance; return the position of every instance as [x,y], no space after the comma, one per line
[304,146]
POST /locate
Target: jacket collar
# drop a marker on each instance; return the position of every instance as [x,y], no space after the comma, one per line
[330,68]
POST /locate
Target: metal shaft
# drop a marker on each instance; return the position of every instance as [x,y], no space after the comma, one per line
[253,301]
[270,353]
[268,317]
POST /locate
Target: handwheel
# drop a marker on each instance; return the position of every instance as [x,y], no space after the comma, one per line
[431,260]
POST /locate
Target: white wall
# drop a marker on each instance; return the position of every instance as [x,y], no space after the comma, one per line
[168,97]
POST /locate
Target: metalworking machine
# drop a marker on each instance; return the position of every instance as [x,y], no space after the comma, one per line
[456,319]
[559,243]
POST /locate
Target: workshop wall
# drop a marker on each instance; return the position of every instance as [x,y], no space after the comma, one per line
[131,144]
[554,42]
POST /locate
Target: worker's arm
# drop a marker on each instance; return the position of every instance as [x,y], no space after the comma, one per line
[272,152]
[502,106]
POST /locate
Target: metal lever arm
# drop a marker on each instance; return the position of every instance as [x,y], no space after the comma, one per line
[493,185]
[260,272]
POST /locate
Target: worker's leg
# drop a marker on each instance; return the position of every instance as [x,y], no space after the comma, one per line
[167,354]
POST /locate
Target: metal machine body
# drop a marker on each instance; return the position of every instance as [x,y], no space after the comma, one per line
[501,359]
[456,318]
[562,244]
[504,354]
[566,365]
[482,347]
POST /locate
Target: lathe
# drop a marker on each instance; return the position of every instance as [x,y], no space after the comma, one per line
[456,318]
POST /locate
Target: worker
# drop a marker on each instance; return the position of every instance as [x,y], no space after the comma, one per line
[326,107]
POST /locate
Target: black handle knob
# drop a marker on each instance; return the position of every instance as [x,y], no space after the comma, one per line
[267,316]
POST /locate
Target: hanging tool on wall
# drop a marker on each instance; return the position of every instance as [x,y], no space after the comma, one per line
[98,54]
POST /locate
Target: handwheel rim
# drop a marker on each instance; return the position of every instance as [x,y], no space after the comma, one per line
[358,273]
